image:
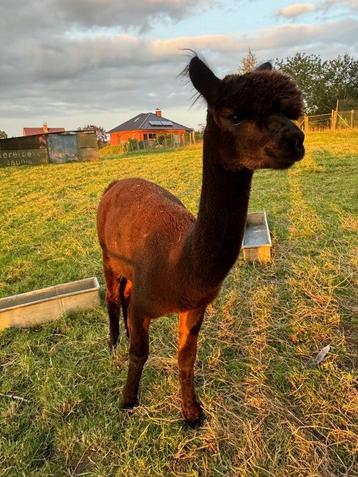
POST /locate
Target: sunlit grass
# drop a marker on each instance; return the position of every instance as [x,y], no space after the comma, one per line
[270,412]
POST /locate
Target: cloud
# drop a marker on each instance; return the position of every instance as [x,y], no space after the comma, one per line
[54,61]
[111,13]
[295,10]
[124,61]
[56,66]
[266,41]
[217,43]
[94,13]
[351,4]
[311,36]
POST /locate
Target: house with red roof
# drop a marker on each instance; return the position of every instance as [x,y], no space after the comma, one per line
[148,127]
[43,130]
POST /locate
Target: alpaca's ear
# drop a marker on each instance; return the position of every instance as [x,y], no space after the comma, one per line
[204,80]
[264,67]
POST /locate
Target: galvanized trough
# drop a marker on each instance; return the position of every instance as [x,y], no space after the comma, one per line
[48,304]
[256,245]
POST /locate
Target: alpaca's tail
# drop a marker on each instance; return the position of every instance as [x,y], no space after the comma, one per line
[124,301]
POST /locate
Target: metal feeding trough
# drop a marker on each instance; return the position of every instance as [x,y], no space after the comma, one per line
[48,304]
[256,245]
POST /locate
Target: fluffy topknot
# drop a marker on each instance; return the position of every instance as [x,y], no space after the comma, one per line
[260,93]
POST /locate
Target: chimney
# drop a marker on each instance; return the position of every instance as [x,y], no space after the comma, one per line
[45,128]
[158,112]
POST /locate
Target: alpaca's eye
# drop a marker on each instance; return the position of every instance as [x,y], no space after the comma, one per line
[236,118]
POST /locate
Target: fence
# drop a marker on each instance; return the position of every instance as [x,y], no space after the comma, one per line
[334,120]
[163,142]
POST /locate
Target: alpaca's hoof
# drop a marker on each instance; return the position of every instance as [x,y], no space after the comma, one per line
[197,423]
[194,416]
[112,344]
[129,405]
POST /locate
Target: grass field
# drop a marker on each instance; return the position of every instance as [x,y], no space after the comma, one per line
[270,412]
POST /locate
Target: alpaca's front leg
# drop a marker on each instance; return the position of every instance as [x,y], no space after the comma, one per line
[189,327]
[138,354]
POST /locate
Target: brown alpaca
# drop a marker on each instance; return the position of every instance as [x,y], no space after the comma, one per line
[158,259]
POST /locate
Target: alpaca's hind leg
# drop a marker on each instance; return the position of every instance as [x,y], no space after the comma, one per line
[138,354]
[189,327]
[113,301]
[125,292]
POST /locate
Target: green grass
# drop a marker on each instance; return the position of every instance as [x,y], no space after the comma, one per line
[269,411]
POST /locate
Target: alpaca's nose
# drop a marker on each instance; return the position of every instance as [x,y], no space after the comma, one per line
[295,142]
[292,141]
[288,138]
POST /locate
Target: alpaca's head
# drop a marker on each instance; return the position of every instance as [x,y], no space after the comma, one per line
[252,114]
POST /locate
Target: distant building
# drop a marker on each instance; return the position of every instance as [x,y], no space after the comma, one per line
[58,147]
[44,129]
[148,127]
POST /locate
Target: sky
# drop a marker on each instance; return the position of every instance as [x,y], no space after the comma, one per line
[75,62]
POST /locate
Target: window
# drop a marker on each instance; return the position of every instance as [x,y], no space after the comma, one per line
[149,136]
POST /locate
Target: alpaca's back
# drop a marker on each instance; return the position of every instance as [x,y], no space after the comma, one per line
[142,228]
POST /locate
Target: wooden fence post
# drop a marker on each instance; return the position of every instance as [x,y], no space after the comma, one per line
[352,118]
[306,123]
[334,120]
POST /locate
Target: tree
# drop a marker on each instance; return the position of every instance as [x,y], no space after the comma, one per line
[248,63]
[323,82]
[3,134]
[344,81]
[100,133]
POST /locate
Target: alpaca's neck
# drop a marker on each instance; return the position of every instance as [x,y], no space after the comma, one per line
[214,243]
